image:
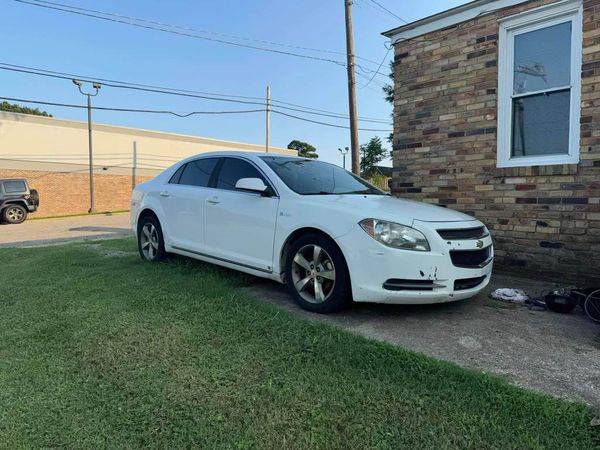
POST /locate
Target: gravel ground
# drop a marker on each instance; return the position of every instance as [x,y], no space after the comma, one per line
[42,232]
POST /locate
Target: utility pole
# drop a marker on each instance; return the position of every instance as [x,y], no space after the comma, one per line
[343,152]
[134,165]
[355,155]
[96,87]
[268,118]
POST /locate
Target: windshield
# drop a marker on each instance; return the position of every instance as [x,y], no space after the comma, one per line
[310,177]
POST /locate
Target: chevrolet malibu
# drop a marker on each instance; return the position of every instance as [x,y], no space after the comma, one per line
[330,236]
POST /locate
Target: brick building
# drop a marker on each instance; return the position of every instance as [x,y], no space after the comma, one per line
[52,154]
[497,114]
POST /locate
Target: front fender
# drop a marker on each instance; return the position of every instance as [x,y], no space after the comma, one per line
[293,217]
[6,203]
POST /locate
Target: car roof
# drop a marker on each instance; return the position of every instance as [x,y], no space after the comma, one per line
[12,179]
[225,153]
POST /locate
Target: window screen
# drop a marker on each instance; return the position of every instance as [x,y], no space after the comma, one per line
[541,98]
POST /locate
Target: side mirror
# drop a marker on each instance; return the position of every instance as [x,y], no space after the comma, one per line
[251,185]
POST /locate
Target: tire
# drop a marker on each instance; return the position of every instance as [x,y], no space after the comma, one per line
[309,258]
[592,306]
[151,244]
[34,197]
[14,214]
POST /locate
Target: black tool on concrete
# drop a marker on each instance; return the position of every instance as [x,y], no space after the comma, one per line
[560,303]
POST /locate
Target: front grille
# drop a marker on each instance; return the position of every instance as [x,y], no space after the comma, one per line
[396,284]
[471,258]
[468,283]
[463,233]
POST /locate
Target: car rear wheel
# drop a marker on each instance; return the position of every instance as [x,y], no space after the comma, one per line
[14,214]
[150,239]
[317,275]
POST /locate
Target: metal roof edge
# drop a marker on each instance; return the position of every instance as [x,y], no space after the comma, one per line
[448,18]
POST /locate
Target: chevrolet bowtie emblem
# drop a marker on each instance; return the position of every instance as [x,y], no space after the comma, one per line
[479,244]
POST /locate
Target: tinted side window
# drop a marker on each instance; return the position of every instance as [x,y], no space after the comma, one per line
[234,169]
[197,173]
[14,186]
[175,178]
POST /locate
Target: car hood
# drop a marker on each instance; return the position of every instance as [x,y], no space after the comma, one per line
[391,208]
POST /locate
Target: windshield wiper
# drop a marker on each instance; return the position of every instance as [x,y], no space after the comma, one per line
[365,192]
[320,193]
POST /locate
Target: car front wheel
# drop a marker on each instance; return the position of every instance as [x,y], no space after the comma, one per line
[150,239]
[317,275]
[14,214]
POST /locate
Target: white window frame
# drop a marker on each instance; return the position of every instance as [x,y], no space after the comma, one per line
[542,17]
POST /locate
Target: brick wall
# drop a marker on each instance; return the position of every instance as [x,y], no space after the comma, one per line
[543,219]
[68,193]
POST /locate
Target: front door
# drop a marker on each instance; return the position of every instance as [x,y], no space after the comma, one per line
[240,226]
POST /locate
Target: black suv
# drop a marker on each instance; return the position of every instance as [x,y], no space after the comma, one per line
[17,200]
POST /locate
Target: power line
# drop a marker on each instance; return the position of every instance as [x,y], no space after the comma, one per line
[215,33]
[149,111]
[380,64]
[154,111]
[150,26]
[91,13]
[325,123]
[388,11]
[174,91]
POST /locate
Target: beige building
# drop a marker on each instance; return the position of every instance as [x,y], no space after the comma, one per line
[53,155]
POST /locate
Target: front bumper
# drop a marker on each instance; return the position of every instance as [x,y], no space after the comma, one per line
[372,265]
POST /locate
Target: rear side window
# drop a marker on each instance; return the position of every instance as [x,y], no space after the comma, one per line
[14,186]
[198,173]
[177,175]
[234,169]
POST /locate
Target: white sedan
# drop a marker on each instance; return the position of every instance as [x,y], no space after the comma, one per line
[326,233]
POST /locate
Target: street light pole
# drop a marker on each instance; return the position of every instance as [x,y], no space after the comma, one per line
[343,152]
[89,96]
[268,119]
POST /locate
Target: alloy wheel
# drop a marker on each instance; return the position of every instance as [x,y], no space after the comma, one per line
[149,241]
[15,214]
[313,273]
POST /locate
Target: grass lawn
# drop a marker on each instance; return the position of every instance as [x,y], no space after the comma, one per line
[98,349]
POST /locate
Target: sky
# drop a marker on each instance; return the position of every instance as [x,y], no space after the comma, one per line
[58,41]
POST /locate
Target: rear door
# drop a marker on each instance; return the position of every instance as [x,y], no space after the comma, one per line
[182,201]
[240,226]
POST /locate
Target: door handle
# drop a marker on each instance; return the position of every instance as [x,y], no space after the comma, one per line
[165,194]
[213,201]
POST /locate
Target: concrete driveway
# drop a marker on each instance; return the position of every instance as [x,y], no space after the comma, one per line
[554,353]
[54,231]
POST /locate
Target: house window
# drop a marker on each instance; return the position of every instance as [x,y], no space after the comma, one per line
[539,86]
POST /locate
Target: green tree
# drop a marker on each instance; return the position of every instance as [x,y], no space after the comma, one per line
[304,149]
[388,90]
[371,154]
[11,107]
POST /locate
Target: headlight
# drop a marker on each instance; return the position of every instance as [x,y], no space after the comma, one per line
[395,235]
